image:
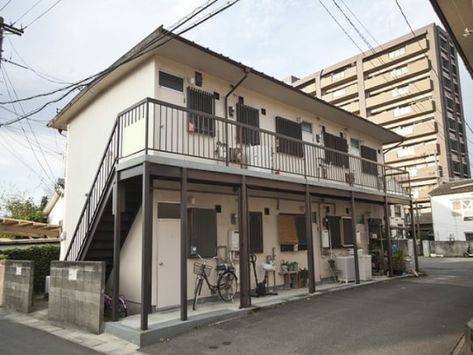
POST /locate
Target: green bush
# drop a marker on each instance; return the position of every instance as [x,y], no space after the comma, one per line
[42,257]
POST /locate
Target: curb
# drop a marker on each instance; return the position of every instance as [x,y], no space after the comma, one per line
[121,341]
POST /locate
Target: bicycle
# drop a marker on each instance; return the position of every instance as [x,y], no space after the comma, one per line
[122,307]
[226,285]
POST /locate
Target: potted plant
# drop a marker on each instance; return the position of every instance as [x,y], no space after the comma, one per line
[303,276]
[399,262]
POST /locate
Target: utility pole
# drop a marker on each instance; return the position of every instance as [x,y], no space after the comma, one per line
[10,29]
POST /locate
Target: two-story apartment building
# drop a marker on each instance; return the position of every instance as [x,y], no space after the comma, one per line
[176,149]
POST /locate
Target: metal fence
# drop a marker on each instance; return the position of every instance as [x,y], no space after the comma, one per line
[155,126]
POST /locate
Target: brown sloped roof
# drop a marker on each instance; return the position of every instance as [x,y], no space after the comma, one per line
[454,187]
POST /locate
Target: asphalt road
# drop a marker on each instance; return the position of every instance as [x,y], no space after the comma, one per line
[18,339]
[409,316]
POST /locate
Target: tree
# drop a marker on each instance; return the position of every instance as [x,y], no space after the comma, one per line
[22,207]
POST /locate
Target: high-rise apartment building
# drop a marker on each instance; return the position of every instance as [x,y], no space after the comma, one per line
[411,86]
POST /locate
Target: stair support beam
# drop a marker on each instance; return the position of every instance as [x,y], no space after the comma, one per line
[310,241]
[245,298]
[118,202]
[183,259]
[146,246]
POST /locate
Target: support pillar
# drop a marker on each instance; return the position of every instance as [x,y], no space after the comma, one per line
[146,247]
[355,242]
[414,237]
[310,240]
[183,244]
[118,204]
[387,231]
[245,298]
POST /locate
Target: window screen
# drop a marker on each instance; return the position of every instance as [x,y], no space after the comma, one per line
[202,232]
[334,229]
[256,232]
[204,102]
[291,231]
[169,210]
[370,154]
[250,116]
[337,143]
[171,81]
[291,129]
[347,232]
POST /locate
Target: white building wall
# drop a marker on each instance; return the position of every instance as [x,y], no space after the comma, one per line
[87,135]
[130,270]
[449,223]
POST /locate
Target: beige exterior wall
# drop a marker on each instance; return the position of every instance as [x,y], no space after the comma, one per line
[87,135]
[130,270]
[402,87]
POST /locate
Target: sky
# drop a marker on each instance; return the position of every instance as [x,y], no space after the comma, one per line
[75,39]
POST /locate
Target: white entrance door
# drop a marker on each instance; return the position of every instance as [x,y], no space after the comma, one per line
[168,253]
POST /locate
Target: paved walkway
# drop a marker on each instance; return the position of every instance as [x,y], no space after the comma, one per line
[109,344]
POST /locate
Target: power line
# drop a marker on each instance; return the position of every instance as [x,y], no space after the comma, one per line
[149,47]
[6,4]
[43,13]
[27,11]
[339,25]
[7,83]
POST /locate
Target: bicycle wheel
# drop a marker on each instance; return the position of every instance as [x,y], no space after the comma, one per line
[197,289]
[227,285]
[122,311]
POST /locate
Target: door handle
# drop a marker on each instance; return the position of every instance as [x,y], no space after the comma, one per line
[161,263]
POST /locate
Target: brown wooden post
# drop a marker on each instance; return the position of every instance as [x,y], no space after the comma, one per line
[118,199]
[146,247]
[387,231]
[355,242]
[414,237]
[184,244]
[245,299]
[310,240]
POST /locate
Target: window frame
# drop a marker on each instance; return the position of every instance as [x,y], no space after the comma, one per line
[200,124]
[169,75]
[289,146]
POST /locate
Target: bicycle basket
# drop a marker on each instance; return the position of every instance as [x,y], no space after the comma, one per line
[200,268]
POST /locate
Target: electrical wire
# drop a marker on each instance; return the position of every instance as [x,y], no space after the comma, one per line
[149,47]
[27,11]
[6,4]
[8,84]
[44,76]
[341,27]
[42,14]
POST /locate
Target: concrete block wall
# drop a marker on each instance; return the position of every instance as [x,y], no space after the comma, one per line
[16,284]
[454,248]
[76,294]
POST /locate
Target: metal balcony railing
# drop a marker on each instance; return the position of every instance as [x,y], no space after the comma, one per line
[160,128]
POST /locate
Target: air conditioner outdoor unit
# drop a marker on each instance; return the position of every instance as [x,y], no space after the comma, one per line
[235,155]
[350,178]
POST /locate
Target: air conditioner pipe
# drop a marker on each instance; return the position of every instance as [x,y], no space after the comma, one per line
[234,87]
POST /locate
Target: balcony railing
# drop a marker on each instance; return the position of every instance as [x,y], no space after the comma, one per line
[163,129]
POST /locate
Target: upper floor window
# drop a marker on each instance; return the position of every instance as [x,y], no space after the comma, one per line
[396,53]
[400,91]
[201,101]
[403,110]
[397,211]
[290,129]
[399,71]
[171,81]
[370,154]
[339,144]
[339,93]
[338,76]
[249,116]
[306,126]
